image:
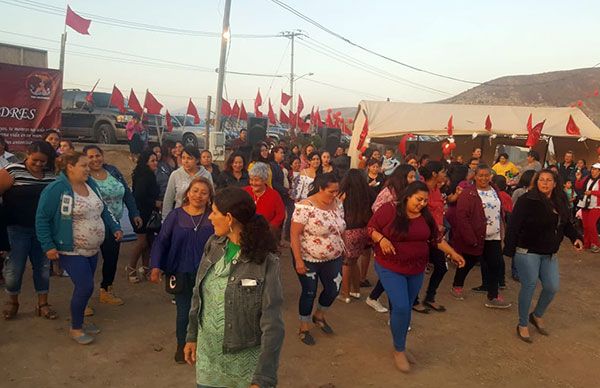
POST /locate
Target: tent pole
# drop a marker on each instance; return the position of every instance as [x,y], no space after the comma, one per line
[546,152]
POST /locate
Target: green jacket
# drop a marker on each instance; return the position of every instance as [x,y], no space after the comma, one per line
[53,228]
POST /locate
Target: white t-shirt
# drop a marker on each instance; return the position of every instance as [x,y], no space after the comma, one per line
[492,209]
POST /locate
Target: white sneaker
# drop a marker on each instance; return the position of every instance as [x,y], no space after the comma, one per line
[376,305]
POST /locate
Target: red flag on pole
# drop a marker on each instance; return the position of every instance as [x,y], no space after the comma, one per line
[192,111]
[90,96]
[329,120]
[450,126]
[271,114]
[235,111]
[151,104]
[76,22]
[257,104]
[534,134]
[318,121]
[300,105]
[363,133]
[225,107]
[283,119]
[530,123]
[579,103]
[293,119]
[285,98]
[169,122]
[134,104]
[488,124]
[243,113]
[402,144]
[117,99]
[572,128]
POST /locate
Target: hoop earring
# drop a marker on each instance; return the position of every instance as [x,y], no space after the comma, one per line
[230,229]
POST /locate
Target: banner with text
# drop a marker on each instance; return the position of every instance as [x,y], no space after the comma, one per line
[30,103]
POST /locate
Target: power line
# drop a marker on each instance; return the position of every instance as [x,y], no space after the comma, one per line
[337,35]
[358,92]
[372,70]
[58,11]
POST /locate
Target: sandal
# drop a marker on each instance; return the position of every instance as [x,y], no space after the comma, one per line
[11,312]
[44,310]
[322,323]
[306,337]
[132,274]
[439,308]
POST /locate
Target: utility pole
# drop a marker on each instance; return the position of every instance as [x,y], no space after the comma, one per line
[292,35]
[207,130]
[225,36]
[63,42]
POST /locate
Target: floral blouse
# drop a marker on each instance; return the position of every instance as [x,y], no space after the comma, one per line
[321,239]
[301,187]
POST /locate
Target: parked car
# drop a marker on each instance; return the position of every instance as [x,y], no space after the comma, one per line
[97,121]
[188,134]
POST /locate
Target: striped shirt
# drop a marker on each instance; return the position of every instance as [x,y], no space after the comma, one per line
[21,200]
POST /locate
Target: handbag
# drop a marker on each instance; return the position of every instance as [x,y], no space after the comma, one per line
[175,283]
[154,222]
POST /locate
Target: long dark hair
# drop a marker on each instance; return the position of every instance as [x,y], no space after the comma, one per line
[257,241]
[398,180]
[165,151]
[558,199]
[256,156]
[356,190]
[321,182]
[402,220]
[44,148]
[525,179]
[231,159]
[431,167]
[457,173]
[141,167]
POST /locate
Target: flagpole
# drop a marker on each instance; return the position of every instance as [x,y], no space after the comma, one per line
[222,59]
[63,42]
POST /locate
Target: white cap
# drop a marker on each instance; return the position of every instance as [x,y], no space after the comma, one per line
[596,165]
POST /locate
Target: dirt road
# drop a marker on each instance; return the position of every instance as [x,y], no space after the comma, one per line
[468,346]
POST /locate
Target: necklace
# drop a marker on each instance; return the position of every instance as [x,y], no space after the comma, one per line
[199,223]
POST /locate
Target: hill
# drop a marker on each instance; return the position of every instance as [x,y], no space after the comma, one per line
[557,88]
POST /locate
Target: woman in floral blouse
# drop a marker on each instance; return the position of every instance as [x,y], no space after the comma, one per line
[317,247]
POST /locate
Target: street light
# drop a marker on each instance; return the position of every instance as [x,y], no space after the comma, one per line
[304,75]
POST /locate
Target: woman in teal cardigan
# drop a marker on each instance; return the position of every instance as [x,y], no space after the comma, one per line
[68,229]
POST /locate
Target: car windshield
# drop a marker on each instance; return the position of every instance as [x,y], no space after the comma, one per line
[101,99]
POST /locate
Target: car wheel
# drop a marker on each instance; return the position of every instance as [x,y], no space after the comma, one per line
[190,139]
[105,134]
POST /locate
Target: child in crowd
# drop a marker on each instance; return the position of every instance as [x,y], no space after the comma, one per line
[570,192]
[389,162]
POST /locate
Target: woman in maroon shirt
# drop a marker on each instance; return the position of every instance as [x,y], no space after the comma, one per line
[268,201]
[403,236]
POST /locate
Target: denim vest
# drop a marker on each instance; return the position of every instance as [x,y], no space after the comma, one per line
[252,312]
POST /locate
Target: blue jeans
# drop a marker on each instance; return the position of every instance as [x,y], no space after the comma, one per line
[402,291]
[532,267]
[183,301]
[331,278]
[24,243]
[81,270]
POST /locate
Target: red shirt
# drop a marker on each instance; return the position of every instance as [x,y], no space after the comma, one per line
[505,201]
[436,206]
[269,205]
[412,250]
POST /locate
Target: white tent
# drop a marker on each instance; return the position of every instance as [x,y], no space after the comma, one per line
[394,119]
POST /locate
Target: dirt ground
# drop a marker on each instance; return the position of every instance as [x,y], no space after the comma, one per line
[467,346]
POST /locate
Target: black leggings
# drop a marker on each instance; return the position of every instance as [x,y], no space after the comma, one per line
[438,259]
[491,267]
[110,249]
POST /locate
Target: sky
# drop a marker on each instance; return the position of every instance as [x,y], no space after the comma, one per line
[471,40]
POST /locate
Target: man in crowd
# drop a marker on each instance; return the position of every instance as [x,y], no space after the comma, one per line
[567,168]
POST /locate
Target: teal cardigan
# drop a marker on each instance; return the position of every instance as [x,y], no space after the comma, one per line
[55,230]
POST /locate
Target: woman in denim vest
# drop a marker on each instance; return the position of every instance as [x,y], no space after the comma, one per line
[235,332]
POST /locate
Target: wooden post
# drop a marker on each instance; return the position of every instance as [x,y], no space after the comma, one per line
[207,129]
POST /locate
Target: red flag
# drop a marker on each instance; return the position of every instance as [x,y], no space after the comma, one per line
[285,98]
[534,134]
[169,122]
[579,103]
[363,133]
[134,104]
[293,120]
[318,121]
[151,104]
[283,119]
[347,130]
[192,111]
[257,104]
[243,114]
[530,123]
[271,114]
[402,144]
[572,128]
[117,99]
[225,107]
[450,126]
[235,111]
[488,124]
[596,92]
[76,22]
[90,96]
[304,126]
[329,121]
[300,105]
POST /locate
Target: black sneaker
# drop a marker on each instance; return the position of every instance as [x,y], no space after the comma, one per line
[480,289]
[179,357]
[365,283]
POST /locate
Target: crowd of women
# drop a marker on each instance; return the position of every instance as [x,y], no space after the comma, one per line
[215,236]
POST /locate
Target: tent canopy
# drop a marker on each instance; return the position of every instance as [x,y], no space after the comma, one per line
[394,119]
